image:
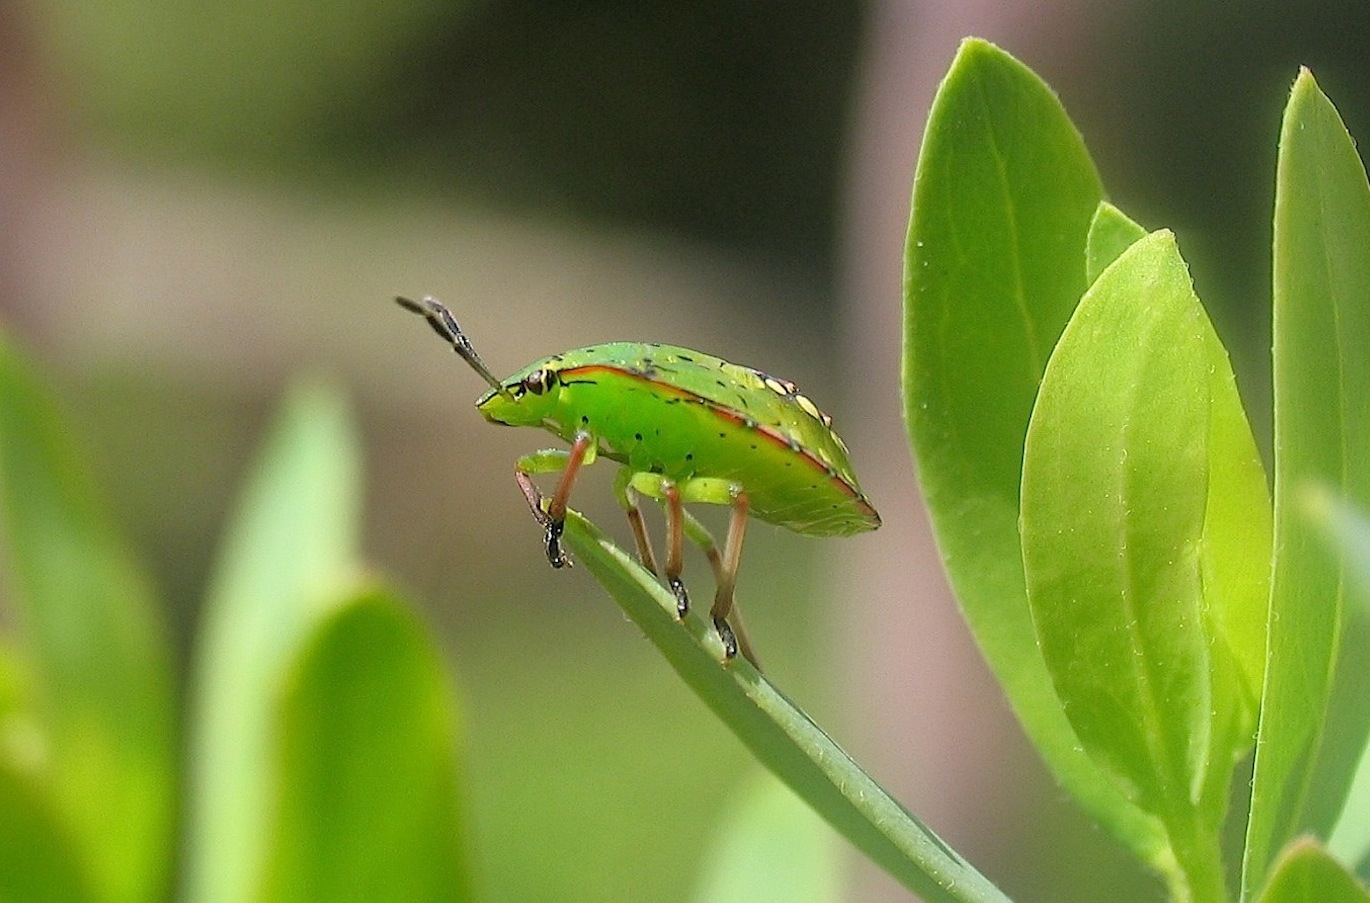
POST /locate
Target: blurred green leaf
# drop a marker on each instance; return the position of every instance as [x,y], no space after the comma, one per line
[97,653]
[1314,721]
[366,804]
[286,562]
[1111,232]
[38,861]
[1348,530]
[1305,873]
[772,848]
[995,263]
[780,734]
[1145,543]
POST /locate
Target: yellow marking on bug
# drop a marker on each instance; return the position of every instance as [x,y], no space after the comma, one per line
[809,407]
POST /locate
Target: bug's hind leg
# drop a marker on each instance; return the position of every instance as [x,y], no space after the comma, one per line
[725,599]
[551,513]
[725,613]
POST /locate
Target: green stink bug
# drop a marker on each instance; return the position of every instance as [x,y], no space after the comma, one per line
[687,427]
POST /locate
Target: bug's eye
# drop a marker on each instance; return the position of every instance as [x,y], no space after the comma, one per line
[539,381]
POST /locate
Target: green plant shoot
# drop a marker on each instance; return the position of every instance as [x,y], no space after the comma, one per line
[687,428]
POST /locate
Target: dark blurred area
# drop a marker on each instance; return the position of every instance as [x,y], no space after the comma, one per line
[199,200]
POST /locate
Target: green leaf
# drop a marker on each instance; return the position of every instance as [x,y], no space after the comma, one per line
[1002,203]
[101,698]
[772,849]
[1114,484]
[1314,720]
[366,805]
[1305,873]
[288,558]
[1111,232]
[780,734]
[38,860]
[1145,537]
[1348,530]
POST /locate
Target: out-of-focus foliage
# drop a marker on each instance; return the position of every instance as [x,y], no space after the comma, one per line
[324,761]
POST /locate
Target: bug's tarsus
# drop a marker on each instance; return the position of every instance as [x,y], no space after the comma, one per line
[445,325]
[682,598]
[725,633]
[555,555]
[553,527]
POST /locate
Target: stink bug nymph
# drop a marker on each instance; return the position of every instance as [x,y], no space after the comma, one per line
[686,427]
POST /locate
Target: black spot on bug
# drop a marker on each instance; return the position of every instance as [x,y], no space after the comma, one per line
[685,357]
[723,435]
[584,418]
[689,456]
[637,436]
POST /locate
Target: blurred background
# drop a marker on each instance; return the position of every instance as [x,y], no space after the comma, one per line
[199,201]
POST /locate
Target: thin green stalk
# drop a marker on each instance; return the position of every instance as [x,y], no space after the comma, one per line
[781,735]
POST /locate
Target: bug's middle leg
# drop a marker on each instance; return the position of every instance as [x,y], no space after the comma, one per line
[725,614]
[552,514]
[627,497]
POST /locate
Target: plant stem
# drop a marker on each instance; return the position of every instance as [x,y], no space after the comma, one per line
[1198,851]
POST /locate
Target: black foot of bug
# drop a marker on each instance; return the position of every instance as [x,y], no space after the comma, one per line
[725,633]
[682,598]
[555,555]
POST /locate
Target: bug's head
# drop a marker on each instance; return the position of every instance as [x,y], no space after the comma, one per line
[527,398]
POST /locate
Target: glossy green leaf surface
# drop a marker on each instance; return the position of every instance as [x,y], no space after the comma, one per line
[1315,717]
[1144,540]
[779,734]
[366,802]
[100,709]
[995,262]
[1305,873]
[289,554]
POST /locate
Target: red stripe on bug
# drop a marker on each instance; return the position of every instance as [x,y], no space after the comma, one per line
[727,413]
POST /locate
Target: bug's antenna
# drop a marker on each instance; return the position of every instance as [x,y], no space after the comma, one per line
[445,325]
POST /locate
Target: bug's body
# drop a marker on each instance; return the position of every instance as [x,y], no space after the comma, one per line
[683,414]
[687,427]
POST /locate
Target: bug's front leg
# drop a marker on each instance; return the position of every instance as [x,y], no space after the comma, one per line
[551,514]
